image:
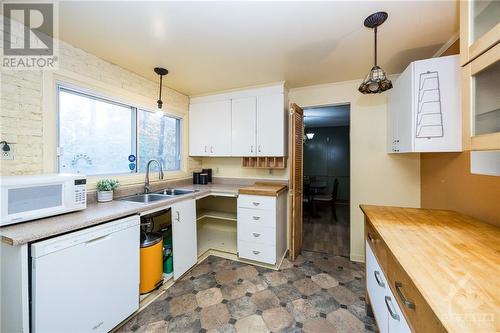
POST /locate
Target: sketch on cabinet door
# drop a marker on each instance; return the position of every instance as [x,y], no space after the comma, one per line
[429,117]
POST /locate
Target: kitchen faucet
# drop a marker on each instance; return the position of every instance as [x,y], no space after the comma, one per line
[160,174]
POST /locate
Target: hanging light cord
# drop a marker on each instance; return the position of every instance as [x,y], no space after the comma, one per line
[375,46]
[161,80]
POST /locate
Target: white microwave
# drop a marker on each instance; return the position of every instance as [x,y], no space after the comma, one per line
[25,198]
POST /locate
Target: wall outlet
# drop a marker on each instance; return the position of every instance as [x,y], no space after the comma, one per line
[7,155]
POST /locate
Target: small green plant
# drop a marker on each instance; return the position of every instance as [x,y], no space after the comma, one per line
[107,184]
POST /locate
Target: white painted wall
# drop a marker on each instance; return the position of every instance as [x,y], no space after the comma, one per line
[376,177]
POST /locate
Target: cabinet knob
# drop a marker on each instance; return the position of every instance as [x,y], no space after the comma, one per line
[251,149]
[260,149]
[212,149]
[256,203]
[255,252]
[256,218]
[256,234]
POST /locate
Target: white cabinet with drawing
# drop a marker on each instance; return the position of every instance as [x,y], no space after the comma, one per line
[251,122]
[424,109]
[184,240]
[210,128]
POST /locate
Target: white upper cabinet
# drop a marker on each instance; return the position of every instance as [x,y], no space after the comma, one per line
[243,126]
[424,109]
[242,123]
[271,121]
[210,128]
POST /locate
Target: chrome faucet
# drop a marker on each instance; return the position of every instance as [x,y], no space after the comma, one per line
[147,187]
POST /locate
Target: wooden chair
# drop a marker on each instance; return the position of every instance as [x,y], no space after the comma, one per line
[330,198]
[307,200]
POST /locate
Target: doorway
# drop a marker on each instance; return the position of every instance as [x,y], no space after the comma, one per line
[326,180]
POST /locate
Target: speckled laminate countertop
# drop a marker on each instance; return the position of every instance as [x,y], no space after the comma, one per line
[97,213]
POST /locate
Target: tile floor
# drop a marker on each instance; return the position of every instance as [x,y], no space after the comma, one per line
[323,234]
[316,293]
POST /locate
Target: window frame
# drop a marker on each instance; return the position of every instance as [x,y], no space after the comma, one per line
[135,109]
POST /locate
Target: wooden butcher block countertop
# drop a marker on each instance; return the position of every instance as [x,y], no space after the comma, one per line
[453,260]
[267,189]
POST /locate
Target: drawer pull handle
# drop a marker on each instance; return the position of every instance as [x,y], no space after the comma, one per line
[256,252]
[256,234]
[371,238]
[409,304]
[256,218]
[393,313]
[379,280]
[256,203]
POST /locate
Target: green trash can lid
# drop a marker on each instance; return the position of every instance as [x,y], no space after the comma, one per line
[150,238]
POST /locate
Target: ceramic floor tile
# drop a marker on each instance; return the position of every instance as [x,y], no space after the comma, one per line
[214,316]
[224,296]
[277,319]
[251,324]
[344,321]
[208,297]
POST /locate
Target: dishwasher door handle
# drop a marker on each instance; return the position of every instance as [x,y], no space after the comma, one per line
[97,240]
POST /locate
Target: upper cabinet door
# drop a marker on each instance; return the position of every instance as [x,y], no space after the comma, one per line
[184,241]
[210,128]
[243,129]
[479,27]
[198,117]
[219,128]
[271,121]
[425,105]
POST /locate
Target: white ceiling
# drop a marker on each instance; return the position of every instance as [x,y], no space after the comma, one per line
[328,116]
[210,46]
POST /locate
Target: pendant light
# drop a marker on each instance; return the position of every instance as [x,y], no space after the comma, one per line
[160,71]
[376,81]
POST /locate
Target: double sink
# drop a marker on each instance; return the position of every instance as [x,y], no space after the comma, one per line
[157,196]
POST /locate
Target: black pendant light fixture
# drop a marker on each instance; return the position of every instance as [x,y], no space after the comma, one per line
[160,71]
[376,81]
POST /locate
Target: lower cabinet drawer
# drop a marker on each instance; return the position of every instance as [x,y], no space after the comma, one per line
[257,202]
[376,287]
[254,233]
[418,313]
[256,217]
[397,322]
[258,252]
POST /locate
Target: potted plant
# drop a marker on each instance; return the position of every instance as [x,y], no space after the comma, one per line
[105,188]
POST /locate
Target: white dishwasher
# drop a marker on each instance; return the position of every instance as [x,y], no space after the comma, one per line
[86,281]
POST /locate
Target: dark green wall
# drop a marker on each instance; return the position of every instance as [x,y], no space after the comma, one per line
[327,157]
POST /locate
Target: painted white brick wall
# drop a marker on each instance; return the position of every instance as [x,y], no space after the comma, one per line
[21,104]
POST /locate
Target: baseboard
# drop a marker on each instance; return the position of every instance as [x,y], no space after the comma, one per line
[357,257]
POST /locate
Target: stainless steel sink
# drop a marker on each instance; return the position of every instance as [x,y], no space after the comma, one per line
[145,198]
[174,192]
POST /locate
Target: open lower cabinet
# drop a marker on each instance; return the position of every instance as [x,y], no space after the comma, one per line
[216,225]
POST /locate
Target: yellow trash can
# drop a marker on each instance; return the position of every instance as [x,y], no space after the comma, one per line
[151,261]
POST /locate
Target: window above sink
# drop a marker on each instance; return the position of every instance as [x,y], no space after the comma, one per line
[96,135]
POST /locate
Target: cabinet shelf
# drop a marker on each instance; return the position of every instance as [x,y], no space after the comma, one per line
[216,235]
[204,213]
[264,162]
